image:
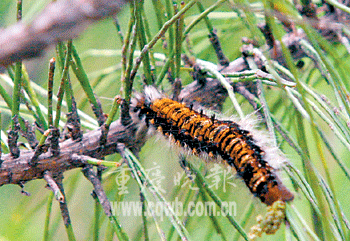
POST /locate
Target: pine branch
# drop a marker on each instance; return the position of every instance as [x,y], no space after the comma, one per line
[16,171]
[59,21]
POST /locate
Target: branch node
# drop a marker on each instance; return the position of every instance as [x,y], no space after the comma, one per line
[73,126]
[101,118]
[104,133]
[13,137]
[124,114]
[29,134]
[177,86]
[54,141]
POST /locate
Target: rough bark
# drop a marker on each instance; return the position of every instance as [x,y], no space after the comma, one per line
[19,170]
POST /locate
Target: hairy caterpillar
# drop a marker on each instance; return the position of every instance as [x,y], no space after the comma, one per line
[227,139]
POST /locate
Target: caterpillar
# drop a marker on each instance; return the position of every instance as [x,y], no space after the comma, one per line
[227,139]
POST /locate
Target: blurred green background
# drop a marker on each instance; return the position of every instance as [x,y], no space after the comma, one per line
[22,217]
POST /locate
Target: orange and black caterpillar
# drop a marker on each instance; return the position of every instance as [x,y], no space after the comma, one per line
[227,139]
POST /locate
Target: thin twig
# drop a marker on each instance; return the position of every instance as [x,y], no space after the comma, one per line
[53,186]
[100,193]
[64,211]
[102,197]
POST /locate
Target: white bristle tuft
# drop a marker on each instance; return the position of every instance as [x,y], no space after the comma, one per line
[151,94]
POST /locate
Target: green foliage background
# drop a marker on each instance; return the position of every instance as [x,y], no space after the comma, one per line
[22,217]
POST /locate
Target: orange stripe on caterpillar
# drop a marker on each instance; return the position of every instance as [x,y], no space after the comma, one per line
[222,138]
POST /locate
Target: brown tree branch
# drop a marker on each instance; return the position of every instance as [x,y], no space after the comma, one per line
[19,170]
[59,21]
